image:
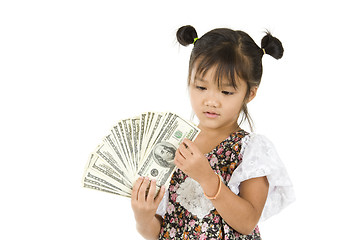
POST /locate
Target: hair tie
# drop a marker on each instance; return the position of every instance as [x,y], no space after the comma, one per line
[194,41]
[264,51]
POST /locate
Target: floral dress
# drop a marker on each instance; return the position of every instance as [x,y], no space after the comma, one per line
[187,214]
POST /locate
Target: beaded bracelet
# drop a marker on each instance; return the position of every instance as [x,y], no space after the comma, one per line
[219,190]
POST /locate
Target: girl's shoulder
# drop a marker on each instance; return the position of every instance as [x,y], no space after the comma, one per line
[242,140]
[235,138]
[259,155]
[249,145]
[260,158]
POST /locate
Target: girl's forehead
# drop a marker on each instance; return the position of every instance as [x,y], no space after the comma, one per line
[213,76]
[224,82]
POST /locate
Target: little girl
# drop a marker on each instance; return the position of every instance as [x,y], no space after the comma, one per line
[227,179]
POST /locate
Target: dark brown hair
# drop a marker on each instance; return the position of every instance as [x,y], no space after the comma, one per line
[234,54]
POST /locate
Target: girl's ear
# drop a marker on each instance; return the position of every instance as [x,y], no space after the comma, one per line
[252,93]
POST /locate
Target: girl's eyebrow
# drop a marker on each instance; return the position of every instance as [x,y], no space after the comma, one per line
[228,84]
[200,79]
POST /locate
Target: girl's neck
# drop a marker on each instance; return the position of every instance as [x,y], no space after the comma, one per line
[209,138]
[219,132]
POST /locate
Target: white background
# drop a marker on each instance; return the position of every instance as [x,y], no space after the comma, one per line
[69,70]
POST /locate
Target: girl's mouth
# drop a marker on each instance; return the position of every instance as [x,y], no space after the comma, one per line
[211,114]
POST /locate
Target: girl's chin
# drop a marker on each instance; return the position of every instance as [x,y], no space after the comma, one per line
[209,123]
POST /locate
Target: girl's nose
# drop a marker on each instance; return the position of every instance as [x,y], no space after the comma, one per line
[212,100]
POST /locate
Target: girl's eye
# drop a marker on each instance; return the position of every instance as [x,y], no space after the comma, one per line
[201,88]
[227,93]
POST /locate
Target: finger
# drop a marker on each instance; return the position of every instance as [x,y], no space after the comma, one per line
[143,190]
[192,147]
[160,196]
[152,190]
[185,151]
[178,159]
[179,153]
[135,189]
[189,144]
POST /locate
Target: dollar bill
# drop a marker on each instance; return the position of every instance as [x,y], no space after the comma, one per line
[140,146]
[101,168]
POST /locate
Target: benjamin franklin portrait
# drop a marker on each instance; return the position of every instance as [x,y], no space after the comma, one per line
[164,153]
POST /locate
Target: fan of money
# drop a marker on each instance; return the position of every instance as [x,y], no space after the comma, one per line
[141,146]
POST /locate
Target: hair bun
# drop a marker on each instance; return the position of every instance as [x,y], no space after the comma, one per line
[272,46]
[186,35]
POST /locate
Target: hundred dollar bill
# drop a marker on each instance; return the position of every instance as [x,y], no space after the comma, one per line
[128,139]
[122,139]
[110,143]
[98,185]
[135,123]
[159,161]
[99,174]
[105,164]
[142,134]
[117,136]
[95,187]
[152,134]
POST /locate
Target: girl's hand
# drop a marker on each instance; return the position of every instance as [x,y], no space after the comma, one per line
[145,205]
[192,161]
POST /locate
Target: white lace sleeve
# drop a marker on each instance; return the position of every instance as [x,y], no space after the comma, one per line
[261,159]
[163,204]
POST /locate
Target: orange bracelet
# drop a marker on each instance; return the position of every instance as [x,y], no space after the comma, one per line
[219,190]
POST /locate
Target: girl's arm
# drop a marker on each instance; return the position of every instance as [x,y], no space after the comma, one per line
[242,212]
[145,206]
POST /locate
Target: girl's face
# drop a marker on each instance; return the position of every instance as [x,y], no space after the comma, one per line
[217,108]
